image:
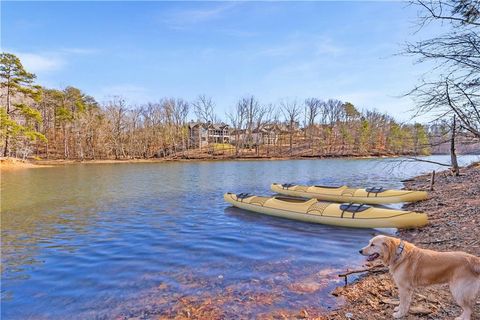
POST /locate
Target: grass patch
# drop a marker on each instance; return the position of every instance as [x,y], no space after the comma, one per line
[223,147]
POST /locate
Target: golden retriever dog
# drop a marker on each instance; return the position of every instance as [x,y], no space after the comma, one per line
[413,267]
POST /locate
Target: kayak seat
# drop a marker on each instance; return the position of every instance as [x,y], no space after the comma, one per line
[292,199]
[375,190]
[354,208]
[243,195]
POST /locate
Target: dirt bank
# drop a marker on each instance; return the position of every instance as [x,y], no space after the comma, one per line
[454,212]
[200,158]
[11,164]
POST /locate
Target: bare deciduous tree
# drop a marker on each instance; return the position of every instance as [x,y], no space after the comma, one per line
[237,120]
[453,86]
[291,111]
[204,108]
[116,115]
[313,108]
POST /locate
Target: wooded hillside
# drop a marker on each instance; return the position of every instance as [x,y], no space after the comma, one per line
[70,124]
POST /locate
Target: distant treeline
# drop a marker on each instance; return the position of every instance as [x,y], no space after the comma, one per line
[69,124]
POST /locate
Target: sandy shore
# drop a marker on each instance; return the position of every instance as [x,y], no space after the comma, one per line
[454,212]
[12,164]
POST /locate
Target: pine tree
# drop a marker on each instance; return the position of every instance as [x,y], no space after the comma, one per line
[421,141]
[18,119]
[395,138]
[364,136]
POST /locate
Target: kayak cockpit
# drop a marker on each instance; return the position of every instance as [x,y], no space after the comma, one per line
[291,200]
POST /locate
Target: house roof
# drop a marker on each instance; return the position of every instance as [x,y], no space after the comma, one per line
[215,126]
[193,124]
[218,126]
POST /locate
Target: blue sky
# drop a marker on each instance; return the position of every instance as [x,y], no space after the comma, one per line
[144,51]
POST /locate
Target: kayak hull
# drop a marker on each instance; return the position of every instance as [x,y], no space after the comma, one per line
[345,194]
[328,213]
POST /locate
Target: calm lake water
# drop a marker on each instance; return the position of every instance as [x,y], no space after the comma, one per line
[113,240]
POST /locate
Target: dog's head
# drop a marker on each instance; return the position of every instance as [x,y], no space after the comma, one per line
[380,247]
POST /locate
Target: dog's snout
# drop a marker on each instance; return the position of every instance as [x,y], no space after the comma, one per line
[360,251]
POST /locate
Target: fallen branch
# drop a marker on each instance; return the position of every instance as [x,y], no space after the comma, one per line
[429,161]
[474,242]
[374,269]
[358,271]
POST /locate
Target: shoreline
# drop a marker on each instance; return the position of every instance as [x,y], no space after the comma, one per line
[10,164]
[13,164]
[453,208]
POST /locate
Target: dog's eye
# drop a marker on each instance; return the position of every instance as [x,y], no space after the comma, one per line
[372,245]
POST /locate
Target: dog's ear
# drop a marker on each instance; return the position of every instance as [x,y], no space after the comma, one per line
[388,246]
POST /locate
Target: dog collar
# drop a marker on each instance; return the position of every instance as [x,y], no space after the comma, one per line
[399,250]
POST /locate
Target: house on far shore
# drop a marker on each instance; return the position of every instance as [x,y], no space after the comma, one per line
[202,134]
[267,134]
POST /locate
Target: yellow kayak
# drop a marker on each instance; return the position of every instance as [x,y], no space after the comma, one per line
[346,194]
[312,210]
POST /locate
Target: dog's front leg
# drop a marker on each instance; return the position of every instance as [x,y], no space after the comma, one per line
[405,294]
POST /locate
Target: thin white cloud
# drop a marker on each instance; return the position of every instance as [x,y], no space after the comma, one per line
[327,46]
[52,60]
[80,51]
[37,62]
[186,18]
[306,45]
[282,50]
[238,33]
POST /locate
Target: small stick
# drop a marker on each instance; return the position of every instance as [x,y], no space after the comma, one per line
[432,180]
[357,271]
[474,242]
[373,269]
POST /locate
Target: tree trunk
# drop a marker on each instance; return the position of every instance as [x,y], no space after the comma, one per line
[453,156]
[5,150]
[65,144]
[80,147]
[291,138]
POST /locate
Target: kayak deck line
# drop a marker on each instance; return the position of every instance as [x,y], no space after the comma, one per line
[347,191]
[326,204]
[376,195]
[353,196]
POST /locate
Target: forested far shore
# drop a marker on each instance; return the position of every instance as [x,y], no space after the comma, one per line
[46,123]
